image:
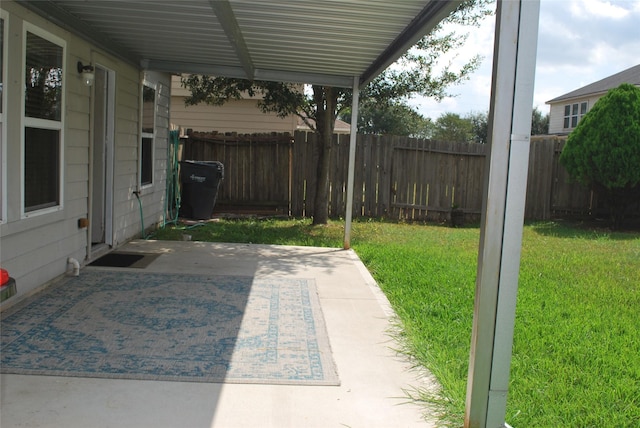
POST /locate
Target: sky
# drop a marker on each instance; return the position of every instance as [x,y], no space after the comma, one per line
[579,42]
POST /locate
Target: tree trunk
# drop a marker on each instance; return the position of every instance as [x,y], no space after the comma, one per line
[619,200]
[326,100]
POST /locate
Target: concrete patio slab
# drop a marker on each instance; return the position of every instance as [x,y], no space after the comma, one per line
[358,320]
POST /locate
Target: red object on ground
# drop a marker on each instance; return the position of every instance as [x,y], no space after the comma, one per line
[4,276]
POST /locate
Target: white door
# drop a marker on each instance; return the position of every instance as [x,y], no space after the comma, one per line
[103,148]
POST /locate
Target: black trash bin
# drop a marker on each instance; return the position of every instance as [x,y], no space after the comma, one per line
[200,181]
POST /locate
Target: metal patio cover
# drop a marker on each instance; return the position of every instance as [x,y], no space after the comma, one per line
[347,43]
[324,42]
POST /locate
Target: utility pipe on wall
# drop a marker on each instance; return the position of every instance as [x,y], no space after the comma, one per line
[75,266]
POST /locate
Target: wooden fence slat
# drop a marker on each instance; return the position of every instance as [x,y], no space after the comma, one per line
[394,177]
[335,176]
[363,176]
[298,180]
[384,180]
[310,168]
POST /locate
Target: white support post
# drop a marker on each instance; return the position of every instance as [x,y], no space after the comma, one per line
[352,162]
[503,212]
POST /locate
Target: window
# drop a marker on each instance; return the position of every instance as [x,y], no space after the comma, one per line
[43,121]
[2,62]
[3,166]
[148,133]
[573,113]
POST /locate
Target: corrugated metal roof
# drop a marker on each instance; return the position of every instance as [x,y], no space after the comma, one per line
[630,75]
[310,41]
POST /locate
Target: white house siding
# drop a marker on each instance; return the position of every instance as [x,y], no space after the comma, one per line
[556,118]
[128,219]
[242,116]
[127,142]
[35,249]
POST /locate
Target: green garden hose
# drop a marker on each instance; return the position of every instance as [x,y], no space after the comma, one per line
[137,193]
[172,199]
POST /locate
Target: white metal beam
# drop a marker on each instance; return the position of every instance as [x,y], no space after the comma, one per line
[503,212]
[228,22]
[238,72]
[352,163]
[430,16]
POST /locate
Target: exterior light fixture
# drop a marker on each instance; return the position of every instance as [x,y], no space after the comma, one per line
[87,73]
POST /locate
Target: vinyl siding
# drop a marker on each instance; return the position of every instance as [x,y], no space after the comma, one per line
[127,136]
[35,249]
[242,116]
[556,119]
[128,221]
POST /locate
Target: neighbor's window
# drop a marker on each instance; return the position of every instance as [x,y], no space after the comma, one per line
[43,121]
[148,132]
[573,113]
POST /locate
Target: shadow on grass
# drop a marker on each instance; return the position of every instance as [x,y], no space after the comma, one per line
[585,229]
[257,231]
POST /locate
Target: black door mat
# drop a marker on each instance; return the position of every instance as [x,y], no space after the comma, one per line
[125,260]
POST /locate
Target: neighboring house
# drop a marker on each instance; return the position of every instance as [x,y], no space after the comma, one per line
[242,116]
[340,127]
[567,110]
[75,158]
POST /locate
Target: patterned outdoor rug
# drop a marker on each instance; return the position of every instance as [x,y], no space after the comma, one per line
[153,326]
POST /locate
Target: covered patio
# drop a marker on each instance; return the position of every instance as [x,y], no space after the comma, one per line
[346,45]
[358,322]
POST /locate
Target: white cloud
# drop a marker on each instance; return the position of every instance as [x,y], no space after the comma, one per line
[579,42]
[472,95]
[599,8]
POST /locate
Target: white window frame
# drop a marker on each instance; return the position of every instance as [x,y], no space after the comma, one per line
[3,112]
[577,115]
[151,135]
[42,123]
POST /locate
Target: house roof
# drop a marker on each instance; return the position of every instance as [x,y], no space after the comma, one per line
[306,41]
[339,127]
[630,75]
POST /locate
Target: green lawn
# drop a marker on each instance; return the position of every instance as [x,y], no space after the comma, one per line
[576,359]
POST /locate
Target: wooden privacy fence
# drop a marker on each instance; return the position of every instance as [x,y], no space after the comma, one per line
[257,167]
[552,193]
[395,177]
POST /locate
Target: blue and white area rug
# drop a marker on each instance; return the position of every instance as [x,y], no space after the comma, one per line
[155,326]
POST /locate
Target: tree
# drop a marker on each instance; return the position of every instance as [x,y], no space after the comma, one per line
[452,127]
[603,151]
[479,127]
[413,74]
[392,118]
[539,122]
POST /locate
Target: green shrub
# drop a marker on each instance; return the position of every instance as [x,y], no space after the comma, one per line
[603,151]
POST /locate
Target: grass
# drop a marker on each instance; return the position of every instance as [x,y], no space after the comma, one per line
[576,353]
